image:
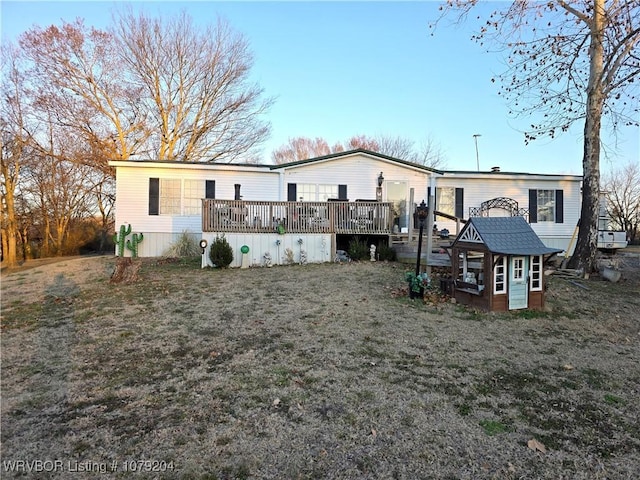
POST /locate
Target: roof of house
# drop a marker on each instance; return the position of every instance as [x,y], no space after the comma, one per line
[324,158]
[351,152]
[504,235]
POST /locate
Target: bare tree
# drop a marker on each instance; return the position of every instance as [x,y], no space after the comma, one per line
[569,61]
[196,87]
[79,83]
[621,188]
[14,148]
[429,153]
[300,148]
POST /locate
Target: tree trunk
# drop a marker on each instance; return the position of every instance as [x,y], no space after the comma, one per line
[126,270]
[10,244]
[584,256]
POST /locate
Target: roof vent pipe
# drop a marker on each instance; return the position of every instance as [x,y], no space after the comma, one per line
[495,169]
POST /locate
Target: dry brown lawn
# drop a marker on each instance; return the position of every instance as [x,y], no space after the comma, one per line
[315,371]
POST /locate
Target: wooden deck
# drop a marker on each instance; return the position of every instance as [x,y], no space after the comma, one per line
[364,217]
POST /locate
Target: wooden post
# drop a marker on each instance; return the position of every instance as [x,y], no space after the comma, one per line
[432,202]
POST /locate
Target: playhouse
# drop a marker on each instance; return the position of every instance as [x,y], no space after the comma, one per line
[497,264]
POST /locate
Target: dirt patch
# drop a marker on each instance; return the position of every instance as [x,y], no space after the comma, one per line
[316,371]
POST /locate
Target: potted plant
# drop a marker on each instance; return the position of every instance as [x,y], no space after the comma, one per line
[417,283]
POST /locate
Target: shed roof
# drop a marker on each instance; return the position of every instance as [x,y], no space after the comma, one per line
[505,235]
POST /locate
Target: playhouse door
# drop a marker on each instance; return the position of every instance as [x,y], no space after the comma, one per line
[518,274]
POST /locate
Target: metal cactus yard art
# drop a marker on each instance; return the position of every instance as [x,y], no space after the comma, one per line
[120,239]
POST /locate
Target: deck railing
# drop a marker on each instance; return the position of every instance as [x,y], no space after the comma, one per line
[362,217]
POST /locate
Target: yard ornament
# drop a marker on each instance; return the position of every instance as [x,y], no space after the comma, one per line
[119,239]
[132,244]
[245,258]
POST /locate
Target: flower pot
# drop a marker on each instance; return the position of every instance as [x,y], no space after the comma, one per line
[611,274]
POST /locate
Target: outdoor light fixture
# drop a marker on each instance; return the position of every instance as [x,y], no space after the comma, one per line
[422,211]
[379,189]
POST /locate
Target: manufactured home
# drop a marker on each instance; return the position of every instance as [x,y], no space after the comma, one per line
[310,207]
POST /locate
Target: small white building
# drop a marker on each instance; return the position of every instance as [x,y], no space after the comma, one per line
[308,205]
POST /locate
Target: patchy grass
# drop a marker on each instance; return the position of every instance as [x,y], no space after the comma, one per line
[319,371]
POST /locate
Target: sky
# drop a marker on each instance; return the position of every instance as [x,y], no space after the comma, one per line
[339,69]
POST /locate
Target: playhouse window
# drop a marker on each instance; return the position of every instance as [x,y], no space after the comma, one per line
[517,271]
[499,278]
[536,273]
[471,269]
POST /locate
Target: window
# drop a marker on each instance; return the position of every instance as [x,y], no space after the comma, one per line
[536,273]
[306,192]
[471,269]
[311,192]
[518,269]
[546,205]
[169,196]
[326,192]
[449,200]
[193,195]
[499,283]
[446,200]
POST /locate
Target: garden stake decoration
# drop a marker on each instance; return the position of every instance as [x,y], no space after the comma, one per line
[132,244]
[119,239]
[305,259]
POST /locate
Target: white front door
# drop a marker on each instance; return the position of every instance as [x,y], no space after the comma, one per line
[518,274]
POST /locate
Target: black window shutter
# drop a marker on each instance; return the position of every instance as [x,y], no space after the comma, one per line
[342,192]
[291,192]
[533,206]
[459,202]
[210,189]
[154,196]
[559,206]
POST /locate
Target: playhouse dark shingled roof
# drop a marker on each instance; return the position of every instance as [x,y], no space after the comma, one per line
[509,236]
